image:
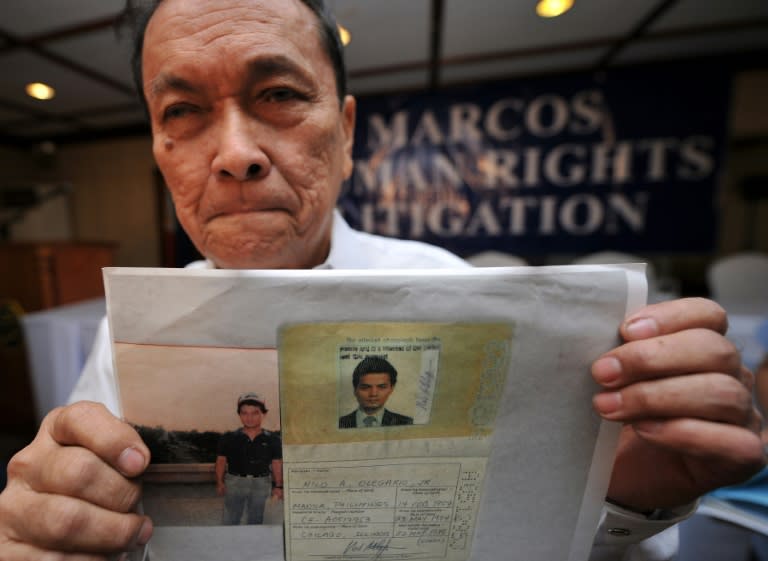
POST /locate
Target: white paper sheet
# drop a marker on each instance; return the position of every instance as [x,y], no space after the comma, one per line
[528,474]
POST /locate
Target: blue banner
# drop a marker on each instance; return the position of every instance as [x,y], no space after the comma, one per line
[628,159]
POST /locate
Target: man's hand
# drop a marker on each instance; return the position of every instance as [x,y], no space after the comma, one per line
[71,491]
[686,401]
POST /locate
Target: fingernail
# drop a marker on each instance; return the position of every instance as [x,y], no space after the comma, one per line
[607,403]
[641,328]
[606,370]
[145,533]
[131,461]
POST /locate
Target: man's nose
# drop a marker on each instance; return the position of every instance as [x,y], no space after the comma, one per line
[239,154]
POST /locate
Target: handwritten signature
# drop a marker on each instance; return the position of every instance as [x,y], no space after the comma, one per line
[426,383]
[377,548]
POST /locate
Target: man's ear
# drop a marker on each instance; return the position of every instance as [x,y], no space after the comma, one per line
[348,111]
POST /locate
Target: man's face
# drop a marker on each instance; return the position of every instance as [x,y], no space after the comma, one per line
[251,416]
[372,391]
[247,128]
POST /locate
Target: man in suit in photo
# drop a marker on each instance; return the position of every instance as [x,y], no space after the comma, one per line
[374,381]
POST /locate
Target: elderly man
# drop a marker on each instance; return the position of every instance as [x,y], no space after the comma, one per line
[252,131]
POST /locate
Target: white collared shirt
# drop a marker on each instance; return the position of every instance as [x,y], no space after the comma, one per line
[361,416]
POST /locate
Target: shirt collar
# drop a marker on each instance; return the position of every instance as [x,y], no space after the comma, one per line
[362,415]
[343,254]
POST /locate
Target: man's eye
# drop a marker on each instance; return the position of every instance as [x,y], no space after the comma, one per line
[280,94]
[177,111]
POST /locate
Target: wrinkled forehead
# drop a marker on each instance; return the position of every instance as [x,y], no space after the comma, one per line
[198,24]
[215,46]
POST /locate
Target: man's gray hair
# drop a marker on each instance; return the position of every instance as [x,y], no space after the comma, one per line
[137,13]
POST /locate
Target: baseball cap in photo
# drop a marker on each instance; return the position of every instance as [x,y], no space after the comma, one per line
[251,396]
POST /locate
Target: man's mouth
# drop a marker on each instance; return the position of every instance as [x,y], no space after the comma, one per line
[239,212]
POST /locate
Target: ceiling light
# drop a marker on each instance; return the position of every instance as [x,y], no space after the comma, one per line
[346,37]
[553,8]
[38,90]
